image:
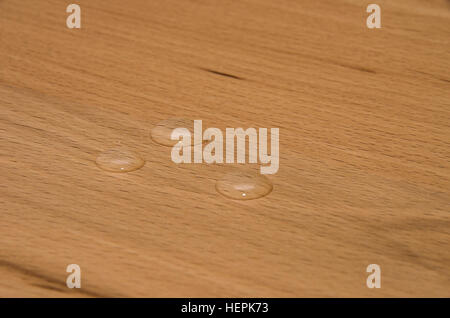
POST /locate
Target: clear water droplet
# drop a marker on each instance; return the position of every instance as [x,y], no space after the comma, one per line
[119,159]
[163,130]
[241,184]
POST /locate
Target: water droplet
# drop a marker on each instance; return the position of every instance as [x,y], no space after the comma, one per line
[244,185]
[119,159]
[163,130]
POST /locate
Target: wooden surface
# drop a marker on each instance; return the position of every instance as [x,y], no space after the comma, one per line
[364,118]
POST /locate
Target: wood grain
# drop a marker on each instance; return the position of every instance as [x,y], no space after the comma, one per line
[364,118]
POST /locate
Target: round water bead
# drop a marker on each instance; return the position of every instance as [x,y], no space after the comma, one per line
[162,132]
[119,159]
[241,184]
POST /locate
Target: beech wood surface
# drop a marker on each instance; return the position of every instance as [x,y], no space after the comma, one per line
[364,118]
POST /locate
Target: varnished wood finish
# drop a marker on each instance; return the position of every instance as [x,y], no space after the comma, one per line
[364,118]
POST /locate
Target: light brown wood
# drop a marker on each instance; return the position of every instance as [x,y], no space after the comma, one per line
[364,118]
